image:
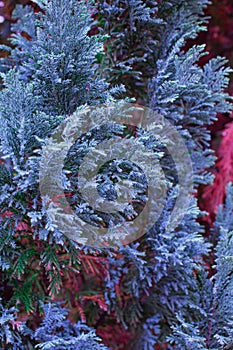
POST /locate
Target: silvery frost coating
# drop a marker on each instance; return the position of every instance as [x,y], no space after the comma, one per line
[155,287]
[115,232]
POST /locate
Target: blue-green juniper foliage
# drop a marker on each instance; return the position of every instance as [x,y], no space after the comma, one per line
[59,67]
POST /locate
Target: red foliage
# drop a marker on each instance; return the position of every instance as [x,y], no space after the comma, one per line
[214,194]
[115,336]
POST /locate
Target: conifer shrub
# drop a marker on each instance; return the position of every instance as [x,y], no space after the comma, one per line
[155,292]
